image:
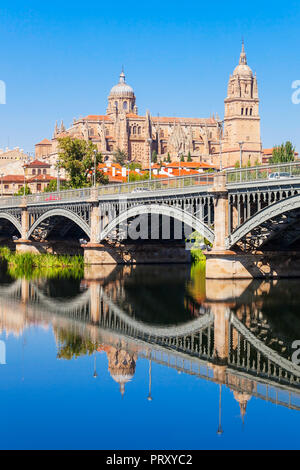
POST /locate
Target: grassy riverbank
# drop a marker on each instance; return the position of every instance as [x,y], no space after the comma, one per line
[30,265]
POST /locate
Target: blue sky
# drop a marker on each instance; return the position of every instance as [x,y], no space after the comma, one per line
[60,59]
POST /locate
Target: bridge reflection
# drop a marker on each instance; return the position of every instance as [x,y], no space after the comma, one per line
[230,333]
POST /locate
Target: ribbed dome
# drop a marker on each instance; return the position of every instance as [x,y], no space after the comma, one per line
[243,70]
[122,89]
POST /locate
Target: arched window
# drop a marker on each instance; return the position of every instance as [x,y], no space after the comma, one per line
[116,104]
[162,133]
[242,111]
[246,111]
[134,130]
[250,111]
[139,130]
[125,105]
[106,132]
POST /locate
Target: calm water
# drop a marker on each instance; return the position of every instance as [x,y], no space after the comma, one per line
[148,358]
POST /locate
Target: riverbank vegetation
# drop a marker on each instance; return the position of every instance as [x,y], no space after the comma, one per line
[30,265]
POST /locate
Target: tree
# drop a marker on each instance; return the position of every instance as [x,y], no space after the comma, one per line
[52,186]
[138,177]
[120,157]
[182,158]
[77,157]
[169,158]
[283,153]
[21,191]
[154,156]
[189,158]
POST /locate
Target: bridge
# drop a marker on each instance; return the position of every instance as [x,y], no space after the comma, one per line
[247,215]
[221,344]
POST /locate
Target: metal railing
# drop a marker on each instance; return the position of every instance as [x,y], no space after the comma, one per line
[275,172]
[84,194]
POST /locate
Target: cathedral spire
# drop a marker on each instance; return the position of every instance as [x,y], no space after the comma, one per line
[243,57]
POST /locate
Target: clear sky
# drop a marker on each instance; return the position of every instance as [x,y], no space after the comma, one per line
[60,59]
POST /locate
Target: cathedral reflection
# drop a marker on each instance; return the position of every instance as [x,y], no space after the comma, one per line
[231,333]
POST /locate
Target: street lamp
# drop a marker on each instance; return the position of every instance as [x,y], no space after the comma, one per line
[180,156]
[128,161]
[2,174]
[24,167]
[150,158]
[58,176]
[241,153]
[95,153]
[220,143]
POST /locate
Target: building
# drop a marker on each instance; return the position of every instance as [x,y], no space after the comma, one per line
[208,140]
[36,175]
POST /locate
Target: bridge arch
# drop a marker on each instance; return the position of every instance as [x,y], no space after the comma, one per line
[275,209]
[63,213]
[160,209]
[13,220]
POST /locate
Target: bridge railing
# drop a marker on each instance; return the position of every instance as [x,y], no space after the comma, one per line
[275,172]
[137,187]
[180,182]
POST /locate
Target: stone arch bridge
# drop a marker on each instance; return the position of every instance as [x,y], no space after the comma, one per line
[239,212]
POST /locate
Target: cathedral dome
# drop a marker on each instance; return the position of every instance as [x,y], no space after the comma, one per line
[122,89]
[243,69]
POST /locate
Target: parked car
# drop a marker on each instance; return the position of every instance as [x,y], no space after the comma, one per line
[139,190]
[279,175]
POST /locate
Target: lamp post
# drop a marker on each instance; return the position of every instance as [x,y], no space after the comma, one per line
[2,174]
[24,166]
[150,158]
[241,153]
[128,170]
[95,153]
[180,153]
[220,124]
[58,176]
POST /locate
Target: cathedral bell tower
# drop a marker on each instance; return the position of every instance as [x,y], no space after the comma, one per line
[241,118]
[121,99]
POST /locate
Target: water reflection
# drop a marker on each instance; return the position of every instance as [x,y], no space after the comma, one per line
[236,334]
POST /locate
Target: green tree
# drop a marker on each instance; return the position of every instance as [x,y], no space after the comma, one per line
[52,186]
[138,177]
[154,156]
[182,158]
[189,158]
[77,157]
[20,191]
[169,158]
[283,153]
[120,157]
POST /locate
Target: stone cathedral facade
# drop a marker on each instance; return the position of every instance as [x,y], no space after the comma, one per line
[207,140]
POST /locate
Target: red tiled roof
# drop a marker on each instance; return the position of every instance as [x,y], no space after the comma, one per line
[41,178]
[96,117]
[13,179]
[37,163]
[44,142]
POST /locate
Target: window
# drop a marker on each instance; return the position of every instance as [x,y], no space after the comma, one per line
[44,172]
[6,186]
[246,111]
[242,111]
[125,106]
[139,130]
[250,111]
[134,130]
[33,171]
[39,172]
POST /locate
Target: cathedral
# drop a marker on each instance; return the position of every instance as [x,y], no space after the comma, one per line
[210,140]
